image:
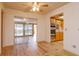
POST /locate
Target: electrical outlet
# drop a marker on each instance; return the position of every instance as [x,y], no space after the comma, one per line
[65,29]
[74,46]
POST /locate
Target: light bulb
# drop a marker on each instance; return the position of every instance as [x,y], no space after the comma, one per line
[34,8]
[37,8]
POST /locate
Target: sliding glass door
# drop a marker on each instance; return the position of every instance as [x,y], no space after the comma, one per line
[18,29]
[23,29]
[28,29]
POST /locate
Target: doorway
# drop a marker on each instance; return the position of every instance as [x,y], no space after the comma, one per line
[56,25]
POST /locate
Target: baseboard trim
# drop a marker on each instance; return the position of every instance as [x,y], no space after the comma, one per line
[71,52]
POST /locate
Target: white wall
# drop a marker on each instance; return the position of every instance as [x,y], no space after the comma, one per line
[71,22]
[8,25]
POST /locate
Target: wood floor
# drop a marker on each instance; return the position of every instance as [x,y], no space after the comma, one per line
[35,49]
[22,50]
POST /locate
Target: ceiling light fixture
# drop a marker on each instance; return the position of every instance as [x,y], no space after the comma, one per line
[35,7]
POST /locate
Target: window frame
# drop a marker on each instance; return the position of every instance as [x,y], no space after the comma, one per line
[24,29]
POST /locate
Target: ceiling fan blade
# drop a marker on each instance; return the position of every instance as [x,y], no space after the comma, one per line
[41,10]
[45,5]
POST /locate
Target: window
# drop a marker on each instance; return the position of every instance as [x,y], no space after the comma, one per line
[28,29]
[24,26]
[18,29]
[23,29]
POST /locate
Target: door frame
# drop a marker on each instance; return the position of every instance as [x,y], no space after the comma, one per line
[52,17]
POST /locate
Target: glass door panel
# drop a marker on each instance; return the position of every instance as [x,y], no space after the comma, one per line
[28,29]
[18,29]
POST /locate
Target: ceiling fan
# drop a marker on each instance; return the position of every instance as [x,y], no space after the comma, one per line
[36,6]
